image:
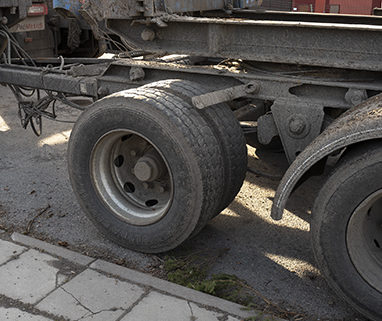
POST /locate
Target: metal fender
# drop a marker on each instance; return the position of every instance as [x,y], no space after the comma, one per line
[361,123]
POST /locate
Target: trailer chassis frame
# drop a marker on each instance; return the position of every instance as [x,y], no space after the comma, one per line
[305,101]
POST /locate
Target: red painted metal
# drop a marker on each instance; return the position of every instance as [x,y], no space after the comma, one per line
[38,9]
[364,7]
[356,6]
[303,5]
[321,6]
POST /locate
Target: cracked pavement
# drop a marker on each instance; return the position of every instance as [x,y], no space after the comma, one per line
[40,286]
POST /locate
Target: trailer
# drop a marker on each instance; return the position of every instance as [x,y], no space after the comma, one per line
[162,148]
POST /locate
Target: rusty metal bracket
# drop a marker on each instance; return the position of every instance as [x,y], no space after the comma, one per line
[224,95]
[298,123]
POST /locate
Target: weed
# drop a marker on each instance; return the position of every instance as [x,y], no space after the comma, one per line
[192,271]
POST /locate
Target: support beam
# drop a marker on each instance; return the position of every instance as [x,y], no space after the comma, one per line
[337,45]
[33,77]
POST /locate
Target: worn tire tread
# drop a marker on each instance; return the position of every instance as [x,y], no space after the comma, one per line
[228,132]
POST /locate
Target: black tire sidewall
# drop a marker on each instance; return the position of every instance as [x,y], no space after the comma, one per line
[180,220]
[351,183]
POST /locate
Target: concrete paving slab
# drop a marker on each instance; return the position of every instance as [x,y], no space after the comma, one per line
[160,307]
[8,250]
[13,314]
[92,296]
[29,278]
[62,303]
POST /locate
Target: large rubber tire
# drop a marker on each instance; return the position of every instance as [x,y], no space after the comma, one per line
[228,132]
[356,180]
[188,146]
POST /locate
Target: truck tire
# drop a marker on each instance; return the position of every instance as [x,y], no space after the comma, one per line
[228,132]
[347,229]
[144,166]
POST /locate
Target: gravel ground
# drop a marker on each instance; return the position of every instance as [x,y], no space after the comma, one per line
[275,258]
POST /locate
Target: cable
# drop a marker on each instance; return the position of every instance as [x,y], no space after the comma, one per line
[8,46]
[32,107]
[122,46]
[16,46]
[31,112]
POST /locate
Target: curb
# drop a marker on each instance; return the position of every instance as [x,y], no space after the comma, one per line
[172,288]
[66,254]
[142,278]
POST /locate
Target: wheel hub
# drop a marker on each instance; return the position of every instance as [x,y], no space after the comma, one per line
[364,239]
[131,177]
[148,168]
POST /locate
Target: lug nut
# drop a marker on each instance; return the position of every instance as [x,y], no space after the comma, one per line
[146,169]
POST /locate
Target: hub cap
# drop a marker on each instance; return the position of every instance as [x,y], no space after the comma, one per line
[131,177]
[364,239]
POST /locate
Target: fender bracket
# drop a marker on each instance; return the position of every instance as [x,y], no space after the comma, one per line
[361,123]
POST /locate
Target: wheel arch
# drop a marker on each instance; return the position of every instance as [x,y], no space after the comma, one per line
[360,124]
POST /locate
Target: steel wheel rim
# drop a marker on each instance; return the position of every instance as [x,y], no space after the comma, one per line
[131,177]
[364,239]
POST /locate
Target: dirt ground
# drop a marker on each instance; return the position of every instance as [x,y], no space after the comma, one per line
[274,258]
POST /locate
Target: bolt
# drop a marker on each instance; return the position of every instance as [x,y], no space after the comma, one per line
[148,34]
[137,73]
[161,189]
[146,185]
[357,99]
[252,88]
[103,91]
[146,169]
[133,153]
[4,20]
[296,125]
